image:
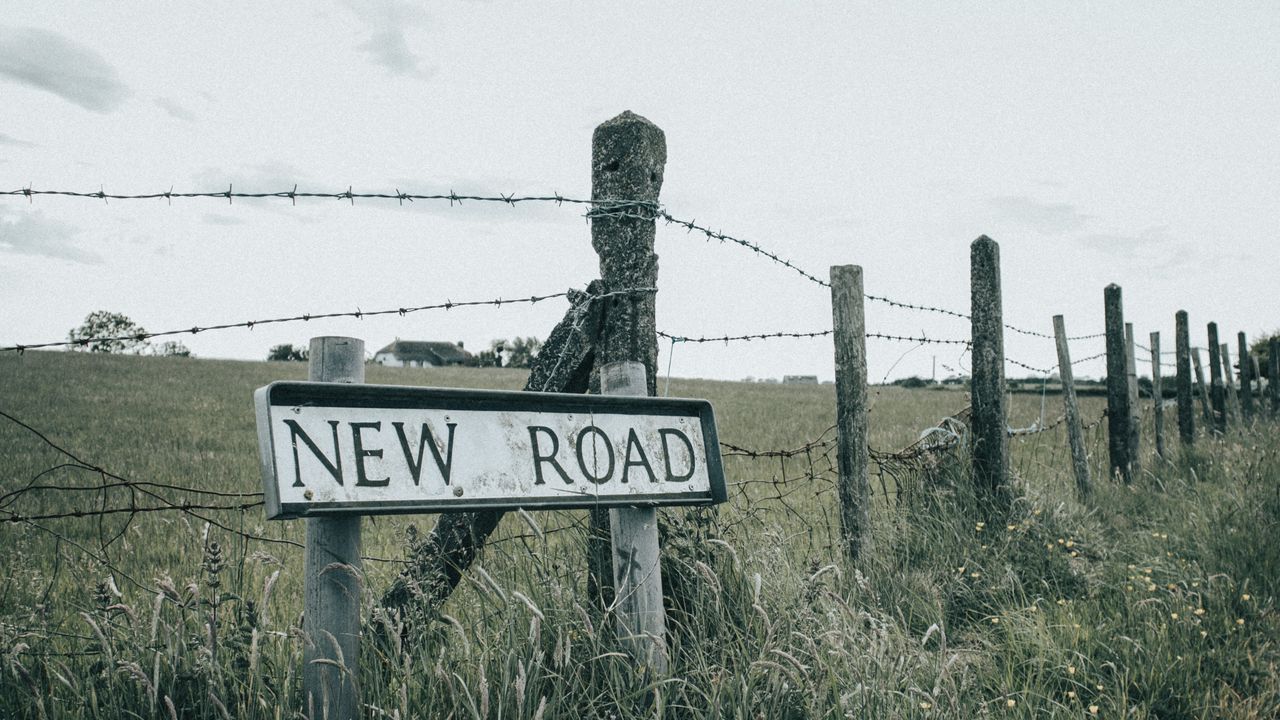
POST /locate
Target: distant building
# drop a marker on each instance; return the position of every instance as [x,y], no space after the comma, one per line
[799,379]
[421,353]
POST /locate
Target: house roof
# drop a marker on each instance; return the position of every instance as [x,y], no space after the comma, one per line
[430,351]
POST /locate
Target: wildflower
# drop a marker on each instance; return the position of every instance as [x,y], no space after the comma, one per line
[1164,536]
[1098,686]
[1071,669]
[1151,587]
[1071,543]
[1061,541]
[1245,597]
[1128,588]
[1075,554]
[975,574]
[1173,615]
[1010,703]
[925,705]
[1062,601]
[1071,694]
[1199,611]
[1204,634]
[1133,567]
[996,621]
[1010,528]
[1036,511]
[1239,621]
[1146,570]
[1093,709]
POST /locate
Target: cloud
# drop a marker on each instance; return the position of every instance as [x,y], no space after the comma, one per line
[49,61]
[1045,217]
[174,109]
[32,233]
[220,219]
[387,44]
[1153,246]
[10,140]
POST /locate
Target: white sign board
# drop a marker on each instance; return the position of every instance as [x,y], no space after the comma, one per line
[373,449]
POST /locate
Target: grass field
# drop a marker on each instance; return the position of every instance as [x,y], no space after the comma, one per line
[1155,601]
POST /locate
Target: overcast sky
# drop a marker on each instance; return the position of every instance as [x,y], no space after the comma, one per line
[1129,142]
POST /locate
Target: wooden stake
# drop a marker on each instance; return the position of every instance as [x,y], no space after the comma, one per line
[1157,394]
[1229,385]
[1217,393]
[1079,456]
[990,435]
[1135,408]
[1186,413]
[1203,389]
[854,485]
[637,570]
[1273,371]
[333,583]
[1118,415]
[1246,377]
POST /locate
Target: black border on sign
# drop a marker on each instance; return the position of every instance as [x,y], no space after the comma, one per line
[402,397]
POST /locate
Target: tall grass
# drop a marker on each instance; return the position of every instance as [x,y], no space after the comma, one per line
[1156,601]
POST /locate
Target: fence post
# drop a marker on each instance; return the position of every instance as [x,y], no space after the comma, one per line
[851,406]
[1118,417]
[637,570]
[1217,394]
[1273,370]
[332,580]
[1204,389]
[1229,385]
[990,436]
[1157,394]
[1079,456]
[1135,408]
[1246,377]
[628,157]
[1182,349]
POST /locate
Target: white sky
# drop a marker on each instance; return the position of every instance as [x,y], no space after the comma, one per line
[1096,142]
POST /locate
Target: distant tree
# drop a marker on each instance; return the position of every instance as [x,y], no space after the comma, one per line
[491,357]
[172,348]
[523,352]
[287,353]
[108,332]
[911,382]
[1261,349]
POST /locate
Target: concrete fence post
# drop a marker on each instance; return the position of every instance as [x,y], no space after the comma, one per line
[1135,408]
[1246,377]
[1186,413]
[1118,413]
[990,433]
[1157,395]
[332,579]
[1079,456]
[1217,393]
[849,331]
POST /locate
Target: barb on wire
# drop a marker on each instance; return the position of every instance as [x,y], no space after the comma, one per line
[692,225]
[1032,368]
[357,314]
[733,338]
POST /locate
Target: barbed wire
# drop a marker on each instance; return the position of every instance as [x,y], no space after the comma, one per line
[356,314]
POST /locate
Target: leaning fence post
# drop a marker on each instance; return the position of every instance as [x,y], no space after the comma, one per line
[1204,389]
[1079,456]
[1118,417]
[1229,385]
[1246,377]
[1157,394]
[1273,370]
[332,580]
[1217,393]
[990,436]
[628,157]
[1135,408]
[849,333]
[1182,348]
[637,570]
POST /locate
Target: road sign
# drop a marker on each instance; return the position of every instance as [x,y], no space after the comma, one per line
[375,449]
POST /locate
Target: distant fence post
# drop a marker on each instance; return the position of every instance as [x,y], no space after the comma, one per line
[1246,377]
[637,570]
[1229,385]
[1118,416]
[1157,394]
[1204,389]
[1182,348]
[1273,369]
[1079,456]
[1217,394]
[990,435]
[849,332]
[332,579]
[1135,408]
[628,158]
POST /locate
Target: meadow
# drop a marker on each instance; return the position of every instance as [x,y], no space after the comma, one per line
[1152,601]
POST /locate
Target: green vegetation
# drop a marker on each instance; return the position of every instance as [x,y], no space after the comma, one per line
[1157,602]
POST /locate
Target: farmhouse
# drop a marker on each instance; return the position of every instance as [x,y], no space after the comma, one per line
[420,353]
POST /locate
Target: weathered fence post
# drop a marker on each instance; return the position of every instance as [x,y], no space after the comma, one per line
[1217,393]
[1135,408]
[849,332]
[1079,456]
[332,580]
[1186,413]
[1246,377]
[1157,394]
[1204,389]
[1118,415]
[1273,371]
[1229,384]
[628,157]
[637,570]
[990,436]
